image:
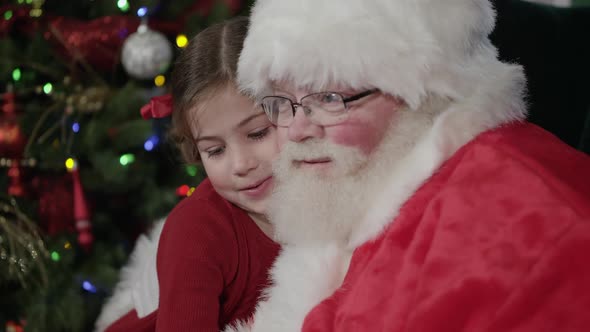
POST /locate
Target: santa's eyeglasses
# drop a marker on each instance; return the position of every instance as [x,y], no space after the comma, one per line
[321,108]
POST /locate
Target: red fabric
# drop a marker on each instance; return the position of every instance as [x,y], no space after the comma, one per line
[158,107]
[497,240]
[213,262]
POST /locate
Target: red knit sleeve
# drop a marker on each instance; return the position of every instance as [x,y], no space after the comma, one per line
[196,253]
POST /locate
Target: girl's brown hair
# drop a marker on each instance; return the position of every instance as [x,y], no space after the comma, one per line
[206,65]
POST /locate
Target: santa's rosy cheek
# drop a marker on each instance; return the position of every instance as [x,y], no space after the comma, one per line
[356,136]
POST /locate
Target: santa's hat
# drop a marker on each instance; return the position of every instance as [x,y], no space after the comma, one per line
[407,48]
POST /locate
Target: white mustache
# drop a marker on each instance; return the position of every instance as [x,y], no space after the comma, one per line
[344,159]
[310,150]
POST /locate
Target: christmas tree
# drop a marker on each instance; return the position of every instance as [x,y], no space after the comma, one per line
[81,173]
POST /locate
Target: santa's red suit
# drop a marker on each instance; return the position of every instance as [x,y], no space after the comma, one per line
[493,240]
[496,240]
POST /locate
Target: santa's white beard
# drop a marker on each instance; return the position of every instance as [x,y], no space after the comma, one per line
[314,207]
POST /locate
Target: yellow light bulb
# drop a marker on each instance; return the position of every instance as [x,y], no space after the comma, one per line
[70,164]
[160,80]
[181,41]
[190,191]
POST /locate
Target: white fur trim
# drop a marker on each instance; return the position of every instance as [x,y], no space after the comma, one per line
[405,48]
[302,277]
[138,286]
[238,327]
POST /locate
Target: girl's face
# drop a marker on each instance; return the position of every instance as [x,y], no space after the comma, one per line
[237,145]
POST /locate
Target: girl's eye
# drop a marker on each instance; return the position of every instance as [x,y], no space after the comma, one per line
[258,135]
[215,152]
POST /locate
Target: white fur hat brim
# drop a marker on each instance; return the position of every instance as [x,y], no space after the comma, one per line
[407,48]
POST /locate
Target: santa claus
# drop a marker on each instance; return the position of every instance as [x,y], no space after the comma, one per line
[412,193]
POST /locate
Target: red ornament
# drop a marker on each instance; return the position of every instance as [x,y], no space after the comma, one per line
[9,105]
[12,140]
[54,196]
[81,214]
[14,327]
[16,186]
[85,239]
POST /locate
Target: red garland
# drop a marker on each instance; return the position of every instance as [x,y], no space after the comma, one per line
[98,41]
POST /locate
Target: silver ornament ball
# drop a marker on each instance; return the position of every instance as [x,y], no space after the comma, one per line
[146,53]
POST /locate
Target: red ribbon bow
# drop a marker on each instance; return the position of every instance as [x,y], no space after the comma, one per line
[158,107]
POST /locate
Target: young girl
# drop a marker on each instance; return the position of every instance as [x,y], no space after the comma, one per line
[215,246]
